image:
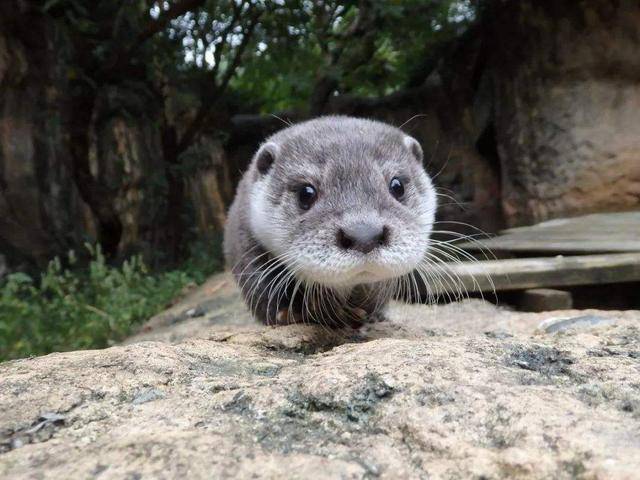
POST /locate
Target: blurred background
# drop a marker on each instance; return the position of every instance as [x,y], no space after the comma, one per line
[125,126]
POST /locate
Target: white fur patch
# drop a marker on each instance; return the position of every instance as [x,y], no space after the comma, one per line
[261,218]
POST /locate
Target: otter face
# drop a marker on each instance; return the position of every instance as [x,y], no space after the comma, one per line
[342,201]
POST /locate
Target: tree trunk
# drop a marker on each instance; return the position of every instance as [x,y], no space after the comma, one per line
[99,197]
[173,224]
[41,212]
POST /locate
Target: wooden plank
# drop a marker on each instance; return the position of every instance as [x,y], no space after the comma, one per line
[541,246]
[597,233]
[525,273]
[544,299]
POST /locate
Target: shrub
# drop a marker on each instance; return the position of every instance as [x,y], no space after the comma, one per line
[71,308]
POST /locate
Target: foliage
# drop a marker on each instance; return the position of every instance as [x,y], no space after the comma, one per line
[71,308]
[370,48]
[270,53]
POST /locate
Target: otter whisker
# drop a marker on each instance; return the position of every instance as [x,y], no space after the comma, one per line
[442,248]
[270,267]
[274,284]
[445,276]
[419,115]
[435,277]
[286,122]
[444,166]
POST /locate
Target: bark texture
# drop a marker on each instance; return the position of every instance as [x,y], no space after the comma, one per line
[41,213]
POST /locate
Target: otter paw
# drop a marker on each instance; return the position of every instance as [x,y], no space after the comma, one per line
[287,316]
[353,317]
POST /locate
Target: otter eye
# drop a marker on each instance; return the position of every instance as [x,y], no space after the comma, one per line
[396,188]
[306,196]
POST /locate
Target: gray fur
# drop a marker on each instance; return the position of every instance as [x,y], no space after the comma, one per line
[286,259]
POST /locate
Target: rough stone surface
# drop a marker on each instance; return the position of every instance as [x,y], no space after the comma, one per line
[567,81]
[458,391]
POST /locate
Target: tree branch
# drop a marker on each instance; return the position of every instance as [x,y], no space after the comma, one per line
[362,29]
[217,54]
[157,25]
[120,60]
[205,108]
[233,66]
[432,58]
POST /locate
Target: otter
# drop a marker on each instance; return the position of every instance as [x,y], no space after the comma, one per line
[330,216]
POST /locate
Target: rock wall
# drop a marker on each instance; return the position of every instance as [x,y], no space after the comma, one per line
[567,108]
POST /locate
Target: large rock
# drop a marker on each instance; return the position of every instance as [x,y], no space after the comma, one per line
[567,106]
[459,391]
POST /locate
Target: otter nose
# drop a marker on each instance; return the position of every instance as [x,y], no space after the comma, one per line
[362,236]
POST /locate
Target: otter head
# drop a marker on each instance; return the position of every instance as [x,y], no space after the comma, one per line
[342,201]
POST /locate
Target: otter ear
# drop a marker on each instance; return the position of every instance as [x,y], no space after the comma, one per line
[414,147]
[266,156]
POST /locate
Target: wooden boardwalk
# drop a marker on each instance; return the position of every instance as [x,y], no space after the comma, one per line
[557,271]
[597,233]
[590,250]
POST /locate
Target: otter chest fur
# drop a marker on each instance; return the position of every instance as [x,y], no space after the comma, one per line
[329,221]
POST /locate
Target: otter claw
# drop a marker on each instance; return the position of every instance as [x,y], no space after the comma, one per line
[354,317]
[287,317]
[281,316]
[359,313]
